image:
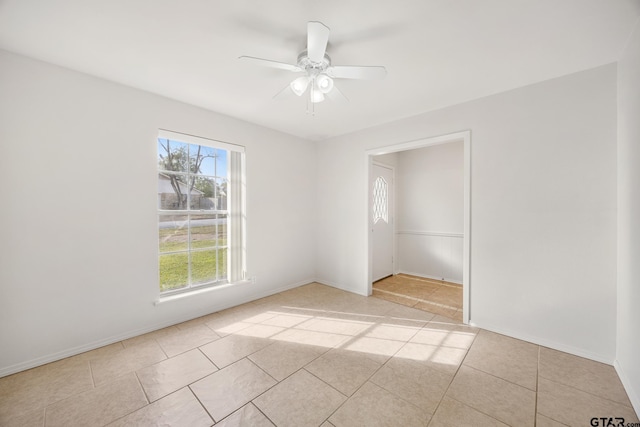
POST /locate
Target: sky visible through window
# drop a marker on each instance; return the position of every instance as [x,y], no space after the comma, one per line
[213,164]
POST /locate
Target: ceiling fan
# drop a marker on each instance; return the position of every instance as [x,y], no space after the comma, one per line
[315,65]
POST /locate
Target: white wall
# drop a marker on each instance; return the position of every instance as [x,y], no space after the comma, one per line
[430,211]
[628,343]
[543,208]
[78,263]
[390,159]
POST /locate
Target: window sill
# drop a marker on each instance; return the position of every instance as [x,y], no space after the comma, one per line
[186,294]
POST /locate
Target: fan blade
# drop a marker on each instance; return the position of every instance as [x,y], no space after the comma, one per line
[272,64]
[317,38]
[356,72]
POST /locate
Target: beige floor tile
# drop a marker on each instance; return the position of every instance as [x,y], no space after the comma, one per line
[446,359]
[98,406]
[224,326]
[177,409]
[38,387]
[104,351]
[248,313]
[447,296]
[508,358]
[232,348]
[437,308]
[453,413]
[542,421]
[394,297]
[429,295]
[260,331]
[231,388]
[34,418]
[322,339]
[505,401]
[173,374]
[345,370]
[374,346]
[151,336]
[286,320]
[418,290]
[374,406]
[282,358]
[574,407]
[187,339]
[448,322]
[300,400]
[586,375]
[389,331]
[130,359]
[334,325]
[444,336]
[412,316]
[386,285]
[413,382]
[247,416]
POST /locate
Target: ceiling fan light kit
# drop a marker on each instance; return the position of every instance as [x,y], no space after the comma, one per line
[314,62]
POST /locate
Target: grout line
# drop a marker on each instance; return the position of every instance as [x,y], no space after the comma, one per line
[586,392]
[261,411]
[202,404]
[500,378]
[142,387]
[477,410]
[453,378]
[209,359]
[93,380]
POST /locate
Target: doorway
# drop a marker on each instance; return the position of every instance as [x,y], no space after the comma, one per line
[373,172]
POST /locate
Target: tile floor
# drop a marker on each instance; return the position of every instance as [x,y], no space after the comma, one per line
[316,356]
[434,296]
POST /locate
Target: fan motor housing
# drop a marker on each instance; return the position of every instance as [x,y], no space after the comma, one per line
[305,63]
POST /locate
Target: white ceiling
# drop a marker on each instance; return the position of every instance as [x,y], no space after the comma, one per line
[437,52]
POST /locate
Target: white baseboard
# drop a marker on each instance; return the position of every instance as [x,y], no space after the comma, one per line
[18,367]
[543,342]
[626,383]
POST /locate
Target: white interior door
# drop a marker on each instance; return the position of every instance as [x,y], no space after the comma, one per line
[382,222]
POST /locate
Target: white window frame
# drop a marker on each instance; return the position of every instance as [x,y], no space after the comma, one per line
[235,213]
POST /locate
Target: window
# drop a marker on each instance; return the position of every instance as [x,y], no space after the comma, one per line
[200,212]
[380,200]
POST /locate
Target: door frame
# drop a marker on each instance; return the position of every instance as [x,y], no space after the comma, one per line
[464,136]
[392,215]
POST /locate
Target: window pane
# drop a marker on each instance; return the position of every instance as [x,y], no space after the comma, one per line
[202,159]
[221,193]
[203,231]
[203,193]
[172,191]
[222,264]
[172,155]
[174,271]
[204,266]
[222,230]
[173,233]
[221,163]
